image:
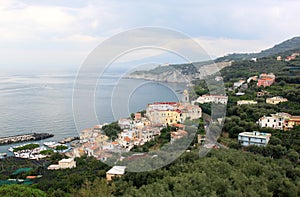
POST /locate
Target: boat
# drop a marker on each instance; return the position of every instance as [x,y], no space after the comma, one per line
[3,155]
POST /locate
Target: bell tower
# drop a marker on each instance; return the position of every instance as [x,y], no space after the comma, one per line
[185,96]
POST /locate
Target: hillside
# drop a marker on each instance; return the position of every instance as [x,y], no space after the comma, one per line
[290,45]
[181,73]
[188,72]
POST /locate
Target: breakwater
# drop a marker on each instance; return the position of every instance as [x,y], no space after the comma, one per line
[24,138]
[69,139]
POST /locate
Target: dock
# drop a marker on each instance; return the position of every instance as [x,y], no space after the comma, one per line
[24,138]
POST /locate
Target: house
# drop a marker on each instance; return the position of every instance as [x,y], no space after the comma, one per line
[275,121]
[293,121]
[190,111]
[239,93]
[253,78]
[279,58]
[246,102]
[210,98]
[276,100]
[63,164]
[238,84]
[67,163]
[116,171]
[289,58]
[175,135]
[137,116]
[254,138]
[266,79]
[125,123]
[262,93]
[167,113]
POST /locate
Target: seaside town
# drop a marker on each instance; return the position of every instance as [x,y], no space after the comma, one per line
[149,98]
[144,126]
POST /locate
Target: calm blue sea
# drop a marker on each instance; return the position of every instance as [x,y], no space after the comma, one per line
[43,102]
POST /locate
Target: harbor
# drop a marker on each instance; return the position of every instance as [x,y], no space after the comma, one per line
[34,150]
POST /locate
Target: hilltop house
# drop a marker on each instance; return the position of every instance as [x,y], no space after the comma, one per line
[246,102]
[293,121]
[63,164]
[276,100]
[254,138]
[266,79]
[210,98]
[275,121]
[116,171]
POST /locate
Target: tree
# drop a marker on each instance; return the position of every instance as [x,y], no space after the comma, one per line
[20,191]
[293,155]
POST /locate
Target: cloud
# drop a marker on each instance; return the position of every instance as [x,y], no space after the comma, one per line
[221,27]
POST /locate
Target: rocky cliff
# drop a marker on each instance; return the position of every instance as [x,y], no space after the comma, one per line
[180,73]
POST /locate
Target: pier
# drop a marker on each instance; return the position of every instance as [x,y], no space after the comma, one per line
[24,138]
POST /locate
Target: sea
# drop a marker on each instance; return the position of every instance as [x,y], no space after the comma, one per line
[42,102]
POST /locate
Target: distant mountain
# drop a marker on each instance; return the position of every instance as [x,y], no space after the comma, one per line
[187,72]
[286,46]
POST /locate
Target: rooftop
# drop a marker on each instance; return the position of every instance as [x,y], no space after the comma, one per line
[117,170]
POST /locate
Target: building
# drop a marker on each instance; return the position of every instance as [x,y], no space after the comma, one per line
[185,98]
[279,58]
[175,135]
[253,78]
[137,116]
[293,121]
[276,100]
[164,117]
[275,121]
[67,163]
[116,171]
[266,79]
[210,98]
[262,93]
[246,102]
[289,58]
[254,138]
[239,93]
[238,84]
[190,111]
[125,123]
[63,164]
[167,113]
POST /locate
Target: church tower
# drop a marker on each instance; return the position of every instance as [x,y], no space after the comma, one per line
[185,96]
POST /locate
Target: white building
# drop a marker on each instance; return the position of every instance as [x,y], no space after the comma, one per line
[116,171]
[246,102]
[275,121]
[209,98]
[254,138]
[276,100]
[238,84]
[63,164]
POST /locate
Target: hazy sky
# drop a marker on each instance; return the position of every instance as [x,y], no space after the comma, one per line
[59,33]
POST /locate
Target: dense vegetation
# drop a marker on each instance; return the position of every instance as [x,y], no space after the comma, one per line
[26,147]
[223,172]
[112,130]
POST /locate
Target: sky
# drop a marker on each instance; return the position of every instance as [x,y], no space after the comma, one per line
[58,34]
